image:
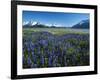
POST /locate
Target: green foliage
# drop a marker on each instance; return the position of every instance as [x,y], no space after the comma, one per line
[56,31]
[70,50]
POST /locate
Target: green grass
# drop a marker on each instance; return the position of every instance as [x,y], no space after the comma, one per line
[56,31]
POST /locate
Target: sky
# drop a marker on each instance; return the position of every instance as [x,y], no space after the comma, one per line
[54,18]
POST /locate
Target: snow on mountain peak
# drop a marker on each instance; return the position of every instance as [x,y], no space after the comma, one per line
[30,23]
[83,21]
[34,23]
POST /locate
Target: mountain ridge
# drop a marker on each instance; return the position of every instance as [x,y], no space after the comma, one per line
[84,24]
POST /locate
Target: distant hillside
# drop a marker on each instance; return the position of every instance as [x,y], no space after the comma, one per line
[84,24]
[34,24]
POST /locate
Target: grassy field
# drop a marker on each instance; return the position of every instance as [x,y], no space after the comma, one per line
[56,31]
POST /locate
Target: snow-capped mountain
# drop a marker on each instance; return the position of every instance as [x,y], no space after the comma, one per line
[83,24]
[30,23]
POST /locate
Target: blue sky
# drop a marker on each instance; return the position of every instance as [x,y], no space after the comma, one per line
[58,18]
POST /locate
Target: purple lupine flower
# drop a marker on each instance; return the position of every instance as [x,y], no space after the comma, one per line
[55,48]
[42,60]
[50,61]
[43,42]
[29,62]
[34,58]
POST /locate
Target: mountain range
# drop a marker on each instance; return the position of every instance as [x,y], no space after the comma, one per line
[84,24]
